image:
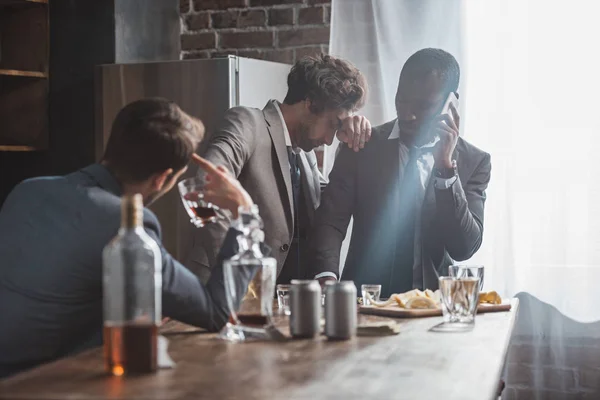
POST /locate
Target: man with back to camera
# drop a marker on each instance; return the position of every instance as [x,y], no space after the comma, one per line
[416,191]
[53,231]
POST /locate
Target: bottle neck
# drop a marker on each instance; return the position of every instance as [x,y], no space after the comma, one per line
[249,224]
[131,212]
[249,245]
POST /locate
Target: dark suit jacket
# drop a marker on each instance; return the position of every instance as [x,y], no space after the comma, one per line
[362,185]
[52,232]
[251,144]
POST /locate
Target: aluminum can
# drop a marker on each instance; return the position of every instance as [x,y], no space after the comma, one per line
[305,308]
[340,310]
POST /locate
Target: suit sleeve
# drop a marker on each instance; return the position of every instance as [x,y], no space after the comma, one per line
[231,146]
[333,216]
[460,212]
[184,297]
[233,143]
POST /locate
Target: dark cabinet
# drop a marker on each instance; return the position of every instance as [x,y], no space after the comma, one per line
[24,62]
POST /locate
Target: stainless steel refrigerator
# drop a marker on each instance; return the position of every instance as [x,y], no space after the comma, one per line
[202,88]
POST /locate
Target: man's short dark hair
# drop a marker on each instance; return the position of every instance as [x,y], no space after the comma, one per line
[150,136]
[426,61]
[329,83]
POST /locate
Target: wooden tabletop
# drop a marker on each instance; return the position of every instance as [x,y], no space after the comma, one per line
[415,364]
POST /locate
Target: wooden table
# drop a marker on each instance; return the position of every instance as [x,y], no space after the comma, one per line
[415,364]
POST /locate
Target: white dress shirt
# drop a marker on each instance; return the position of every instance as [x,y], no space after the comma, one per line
[286,132]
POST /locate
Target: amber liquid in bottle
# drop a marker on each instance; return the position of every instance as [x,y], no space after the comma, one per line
[132,295]
[130,349]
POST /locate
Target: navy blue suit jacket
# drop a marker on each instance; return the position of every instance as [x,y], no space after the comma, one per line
[52,232]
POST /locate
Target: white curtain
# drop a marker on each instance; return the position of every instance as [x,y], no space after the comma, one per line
[530,93]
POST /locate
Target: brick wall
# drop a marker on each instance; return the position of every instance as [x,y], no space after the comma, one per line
[275,30]
[552,357]
[553,370]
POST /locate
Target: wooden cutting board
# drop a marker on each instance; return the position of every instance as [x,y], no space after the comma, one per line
[396,312]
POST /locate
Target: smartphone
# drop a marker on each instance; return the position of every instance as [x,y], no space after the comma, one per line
[452,99]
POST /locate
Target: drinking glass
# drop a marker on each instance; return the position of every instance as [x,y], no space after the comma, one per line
[200,211]
[459,303]
[370,293]
[467,271]
[283,298]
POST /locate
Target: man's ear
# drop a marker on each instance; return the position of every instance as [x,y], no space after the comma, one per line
[307,106]
[159,179]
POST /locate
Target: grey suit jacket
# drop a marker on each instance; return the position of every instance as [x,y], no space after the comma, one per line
[251,144]
[363,184]
[52,233]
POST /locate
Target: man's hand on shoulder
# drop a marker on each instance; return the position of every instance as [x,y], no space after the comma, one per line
[355,132]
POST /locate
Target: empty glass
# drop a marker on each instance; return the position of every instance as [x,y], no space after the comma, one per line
[283,298]
[370,293]
[467,271]
[459,303]
[191,191]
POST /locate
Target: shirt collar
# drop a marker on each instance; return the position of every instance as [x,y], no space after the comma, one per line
[286,132]
[104,178]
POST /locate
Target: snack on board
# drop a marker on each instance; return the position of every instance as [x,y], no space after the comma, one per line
[413,299]
[419,302]
[489,298]
[428,299]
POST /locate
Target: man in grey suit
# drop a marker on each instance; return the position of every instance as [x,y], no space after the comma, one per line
[416,191]
[53,230]
[271,152]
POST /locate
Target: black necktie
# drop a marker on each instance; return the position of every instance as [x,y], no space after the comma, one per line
[295,174]
[402,270]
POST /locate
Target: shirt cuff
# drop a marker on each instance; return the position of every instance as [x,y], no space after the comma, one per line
[326,274]
[441,183]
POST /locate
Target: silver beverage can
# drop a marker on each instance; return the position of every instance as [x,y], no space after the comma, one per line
[305,308]
[340,310]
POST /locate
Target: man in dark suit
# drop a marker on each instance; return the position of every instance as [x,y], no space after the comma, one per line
[416,191]
[53,230]
[271,152]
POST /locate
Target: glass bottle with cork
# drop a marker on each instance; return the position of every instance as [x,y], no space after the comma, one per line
[132,286]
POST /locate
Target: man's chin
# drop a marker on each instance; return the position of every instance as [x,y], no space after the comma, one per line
[409,130]
[308,147]
[417,136]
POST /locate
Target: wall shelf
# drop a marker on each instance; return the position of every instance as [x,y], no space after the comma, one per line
[21,2]
[24,83]
[17,148]
[28,74]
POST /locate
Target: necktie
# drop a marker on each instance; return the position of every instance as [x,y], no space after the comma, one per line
[402,269]
[295,175]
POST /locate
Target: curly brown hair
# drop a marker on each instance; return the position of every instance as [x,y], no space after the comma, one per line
[329,83]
